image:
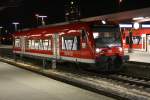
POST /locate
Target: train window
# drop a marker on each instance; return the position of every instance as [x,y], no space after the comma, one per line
[83,35]
[106,36]
[17,42]
[39,44]
[127,40]
[71,42]
[107,39]
[32,44]
[36,44]
[136,39]
[46,44]
[28,43]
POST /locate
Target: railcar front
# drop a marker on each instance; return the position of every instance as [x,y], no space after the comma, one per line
[109,54]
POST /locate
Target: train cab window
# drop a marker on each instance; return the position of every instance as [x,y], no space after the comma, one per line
[70,42]
[106,36]
[17,42]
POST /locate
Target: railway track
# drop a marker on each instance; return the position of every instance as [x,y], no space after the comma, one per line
[138,83]
[141,83]
[130,81]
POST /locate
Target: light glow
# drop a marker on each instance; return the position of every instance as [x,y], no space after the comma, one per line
[36,35]
[15,23]
[103,22]
[145,25]
[120,49]
[98,50]
[125,25]
[95,34]
[138,18]
[136,25]
[42,16]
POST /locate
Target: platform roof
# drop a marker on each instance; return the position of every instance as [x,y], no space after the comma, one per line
[125,16]
[119,17]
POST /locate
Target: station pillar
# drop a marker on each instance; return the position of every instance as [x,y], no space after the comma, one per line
[130,41]
[54,64]
[44,63]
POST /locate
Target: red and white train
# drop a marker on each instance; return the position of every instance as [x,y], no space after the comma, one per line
[83,42]
[139,39]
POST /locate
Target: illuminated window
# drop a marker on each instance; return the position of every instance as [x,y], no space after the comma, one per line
[32,44]
[17,42]
[39,44]
[47,44]
[135,40]
[71,43]
[36,44]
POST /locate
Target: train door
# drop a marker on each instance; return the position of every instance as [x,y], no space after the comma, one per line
[56,52]
[144,42]
[148,43]
[22,44]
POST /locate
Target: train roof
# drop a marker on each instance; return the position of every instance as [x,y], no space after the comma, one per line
[51,28]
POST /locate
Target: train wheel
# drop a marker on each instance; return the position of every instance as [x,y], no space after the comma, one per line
[109,65]
[82,66]
[117,63]
[15,57]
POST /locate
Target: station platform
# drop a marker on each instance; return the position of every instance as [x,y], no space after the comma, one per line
[139,56]
[20,84]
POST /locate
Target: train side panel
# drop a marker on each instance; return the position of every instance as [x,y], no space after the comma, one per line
[140,40]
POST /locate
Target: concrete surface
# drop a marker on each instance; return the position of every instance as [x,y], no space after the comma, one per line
[139,56]
[89,82]
[19,84]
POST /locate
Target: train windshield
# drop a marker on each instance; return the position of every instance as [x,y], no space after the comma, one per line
[106,36]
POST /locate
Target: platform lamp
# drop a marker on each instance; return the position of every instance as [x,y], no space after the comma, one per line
[42,19]
[37,19]
[16,25]
[136,25]
[120,1]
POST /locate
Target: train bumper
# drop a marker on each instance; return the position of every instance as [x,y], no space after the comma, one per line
[104,58]
[110,63]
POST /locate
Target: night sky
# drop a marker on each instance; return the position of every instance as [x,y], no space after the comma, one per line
[24,11]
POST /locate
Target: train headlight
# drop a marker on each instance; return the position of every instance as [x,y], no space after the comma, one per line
[120,49]
[98,50]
